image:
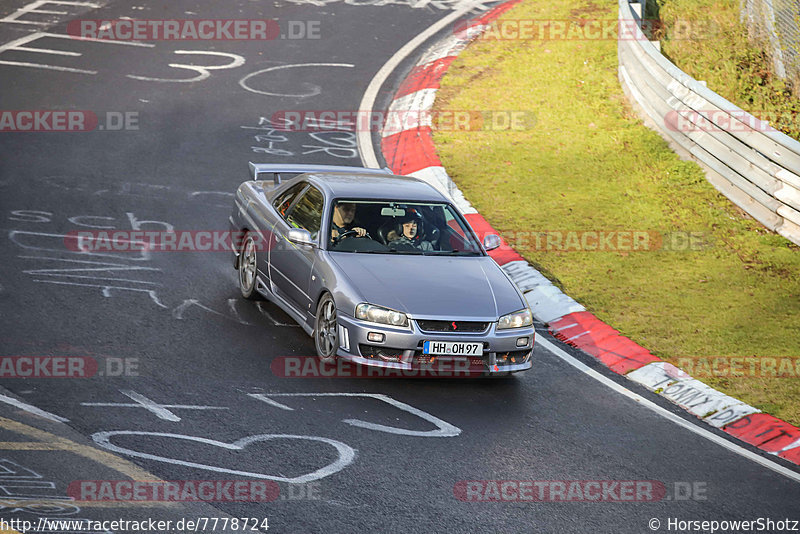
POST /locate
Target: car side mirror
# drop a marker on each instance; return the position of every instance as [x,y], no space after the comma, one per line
[491,241]
[300,236]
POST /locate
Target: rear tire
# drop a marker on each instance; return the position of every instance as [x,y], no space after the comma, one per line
[326,331]
[248,269]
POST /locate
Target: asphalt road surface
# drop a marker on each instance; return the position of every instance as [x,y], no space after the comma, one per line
[185,373]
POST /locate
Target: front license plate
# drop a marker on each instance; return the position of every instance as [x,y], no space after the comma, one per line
[452,348]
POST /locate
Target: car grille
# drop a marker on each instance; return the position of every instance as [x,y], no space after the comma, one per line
[452,326]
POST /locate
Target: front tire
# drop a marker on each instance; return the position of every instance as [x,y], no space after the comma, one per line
[326,331]
[248,269]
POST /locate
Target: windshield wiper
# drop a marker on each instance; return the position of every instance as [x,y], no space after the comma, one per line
[455,253]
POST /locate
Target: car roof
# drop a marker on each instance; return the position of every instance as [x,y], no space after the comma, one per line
[373,186]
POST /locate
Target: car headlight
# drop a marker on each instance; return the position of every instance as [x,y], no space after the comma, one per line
[518,319]
[376,314]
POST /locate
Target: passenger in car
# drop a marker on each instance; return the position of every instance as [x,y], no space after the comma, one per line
[407,233]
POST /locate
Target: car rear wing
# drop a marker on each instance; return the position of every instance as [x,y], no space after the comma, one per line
[273,171]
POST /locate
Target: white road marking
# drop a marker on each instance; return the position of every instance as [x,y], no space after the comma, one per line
[177,313]
[691,427]
[17,45]
[365,147]
[142,253]
[98,278]
[444,429]
[47,51]
[346,454]
[275,322]
[48,67]
[12,45]
[271,402]
[106,289]
[105,268]
[202,70]
[34,8]
[159,410]
[96,40]
[314,92]
[32,409]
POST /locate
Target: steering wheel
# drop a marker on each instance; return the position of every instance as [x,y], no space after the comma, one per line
[349,233]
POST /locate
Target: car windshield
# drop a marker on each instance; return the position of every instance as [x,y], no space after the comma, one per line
[400,227]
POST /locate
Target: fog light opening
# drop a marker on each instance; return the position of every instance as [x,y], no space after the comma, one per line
[376,337]
[522,341]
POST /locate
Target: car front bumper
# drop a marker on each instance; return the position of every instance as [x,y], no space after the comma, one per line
[401,348]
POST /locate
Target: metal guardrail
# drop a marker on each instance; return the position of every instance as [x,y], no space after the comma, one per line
[755,166]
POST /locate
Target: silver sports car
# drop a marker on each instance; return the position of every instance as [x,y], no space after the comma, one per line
[380,270]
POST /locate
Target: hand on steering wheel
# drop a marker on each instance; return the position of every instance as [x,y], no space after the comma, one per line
[346,234]
[350,233]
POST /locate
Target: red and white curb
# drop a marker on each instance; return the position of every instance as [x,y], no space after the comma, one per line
[409,150]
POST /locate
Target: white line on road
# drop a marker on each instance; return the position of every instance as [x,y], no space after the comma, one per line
[443,428]
[47,51]
[34,8]
[42,66]
[691,427]
[32,409]
[16,45]
[159,410]
[313,92]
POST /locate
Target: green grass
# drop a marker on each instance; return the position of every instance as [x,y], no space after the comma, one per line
[706,39]
[589,164]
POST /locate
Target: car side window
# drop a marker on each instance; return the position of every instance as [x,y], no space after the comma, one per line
[284,200]
[453,224]
[307,213]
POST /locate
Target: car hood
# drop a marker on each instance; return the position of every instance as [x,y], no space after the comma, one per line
[433,287]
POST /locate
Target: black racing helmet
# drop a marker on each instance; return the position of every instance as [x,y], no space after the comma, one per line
[411,214]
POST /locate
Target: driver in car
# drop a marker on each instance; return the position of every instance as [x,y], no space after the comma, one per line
[407,233]
[343,215]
